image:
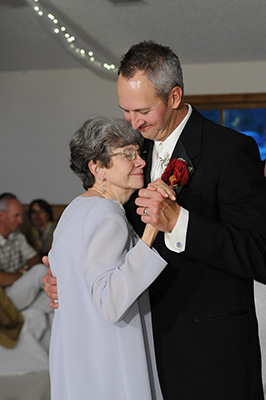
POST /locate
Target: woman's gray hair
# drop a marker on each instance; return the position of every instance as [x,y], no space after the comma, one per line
[95,140]
[159,63]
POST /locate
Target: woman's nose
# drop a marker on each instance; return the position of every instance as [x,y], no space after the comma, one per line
[139,161]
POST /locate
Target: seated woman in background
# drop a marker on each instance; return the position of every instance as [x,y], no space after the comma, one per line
[41,216]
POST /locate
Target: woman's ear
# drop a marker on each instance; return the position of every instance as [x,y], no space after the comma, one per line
[95,169]
[176,97]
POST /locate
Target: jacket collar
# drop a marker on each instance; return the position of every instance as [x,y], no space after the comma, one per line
[188,145]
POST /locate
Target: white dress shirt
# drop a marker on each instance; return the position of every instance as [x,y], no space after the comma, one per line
[175,240]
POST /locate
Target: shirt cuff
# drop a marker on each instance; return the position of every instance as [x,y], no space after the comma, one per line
[176,240]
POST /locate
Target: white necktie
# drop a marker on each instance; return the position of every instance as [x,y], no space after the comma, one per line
[161,162]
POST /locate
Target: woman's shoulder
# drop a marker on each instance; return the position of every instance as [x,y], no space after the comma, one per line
[114,205]
[100,207]
[109,209]
[97,212]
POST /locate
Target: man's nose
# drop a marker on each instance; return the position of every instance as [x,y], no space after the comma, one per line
[135,120]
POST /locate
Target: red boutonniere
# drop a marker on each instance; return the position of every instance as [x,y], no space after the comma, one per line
[176,173]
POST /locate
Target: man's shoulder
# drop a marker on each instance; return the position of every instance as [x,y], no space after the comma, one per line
[19,240]
[12,237]
[218,132]
[18,236]
[2,240]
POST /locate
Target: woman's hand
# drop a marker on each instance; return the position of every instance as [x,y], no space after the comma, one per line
[50,285]
[162,188]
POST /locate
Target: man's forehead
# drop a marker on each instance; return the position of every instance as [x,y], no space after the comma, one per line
[135,84]
[135,95]
[14,206]
[136,81]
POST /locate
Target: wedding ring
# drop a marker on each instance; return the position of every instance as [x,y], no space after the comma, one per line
[145,212]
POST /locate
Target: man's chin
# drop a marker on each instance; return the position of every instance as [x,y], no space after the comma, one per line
[148,133]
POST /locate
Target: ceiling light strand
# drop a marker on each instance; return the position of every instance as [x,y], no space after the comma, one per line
[69,39]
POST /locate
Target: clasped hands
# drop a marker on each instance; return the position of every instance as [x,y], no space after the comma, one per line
[161,211]
[157,206]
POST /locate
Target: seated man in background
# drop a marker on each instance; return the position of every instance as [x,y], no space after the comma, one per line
[21,270]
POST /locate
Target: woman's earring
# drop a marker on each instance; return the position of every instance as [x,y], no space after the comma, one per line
[102,189]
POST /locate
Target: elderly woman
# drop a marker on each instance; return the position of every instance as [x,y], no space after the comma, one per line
[41,216]
[101,343]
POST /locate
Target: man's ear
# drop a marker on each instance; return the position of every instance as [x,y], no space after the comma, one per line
[95,169]
[175,97]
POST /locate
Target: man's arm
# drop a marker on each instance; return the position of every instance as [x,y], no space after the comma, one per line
[34,260]
[8,278]
[226,228]
[30,263]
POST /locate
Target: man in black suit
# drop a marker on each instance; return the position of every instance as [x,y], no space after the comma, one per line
[205,326]
[213,237]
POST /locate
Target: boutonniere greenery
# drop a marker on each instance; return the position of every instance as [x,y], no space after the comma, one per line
[164,161]
[176,173]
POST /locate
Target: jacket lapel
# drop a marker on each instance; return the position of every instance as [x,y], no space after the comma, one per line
[189,144]
[180,152]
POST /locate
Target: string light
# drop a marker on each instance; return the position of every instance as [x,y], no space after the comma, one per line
[69,39]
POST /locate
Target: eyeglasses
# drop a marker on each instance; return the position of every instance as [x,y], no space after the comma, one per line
[129,153]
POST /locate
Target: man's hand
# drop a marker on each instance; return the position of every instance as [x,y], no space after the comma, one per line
[50,285]
[156,208]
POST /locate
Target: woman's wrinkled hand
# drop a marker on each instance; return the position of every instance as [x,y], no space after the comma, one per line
[165,190]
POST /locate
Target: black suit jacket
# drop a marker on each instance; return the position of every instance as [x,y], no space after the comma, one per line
[204,321]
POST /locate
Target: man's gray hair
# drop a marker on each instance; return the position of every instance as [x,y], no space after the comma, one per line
[159,63]
[5,198]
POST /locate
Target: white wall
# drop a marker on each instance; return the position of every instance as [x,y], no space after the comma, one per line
[40,111]
[225,78]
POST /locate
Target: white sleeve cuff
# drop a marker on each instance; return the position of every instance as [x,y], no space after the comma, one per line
[176,240]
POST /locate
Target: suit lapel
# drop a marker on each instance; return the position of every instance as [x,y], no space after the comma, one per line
[191,136]
[180,152]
